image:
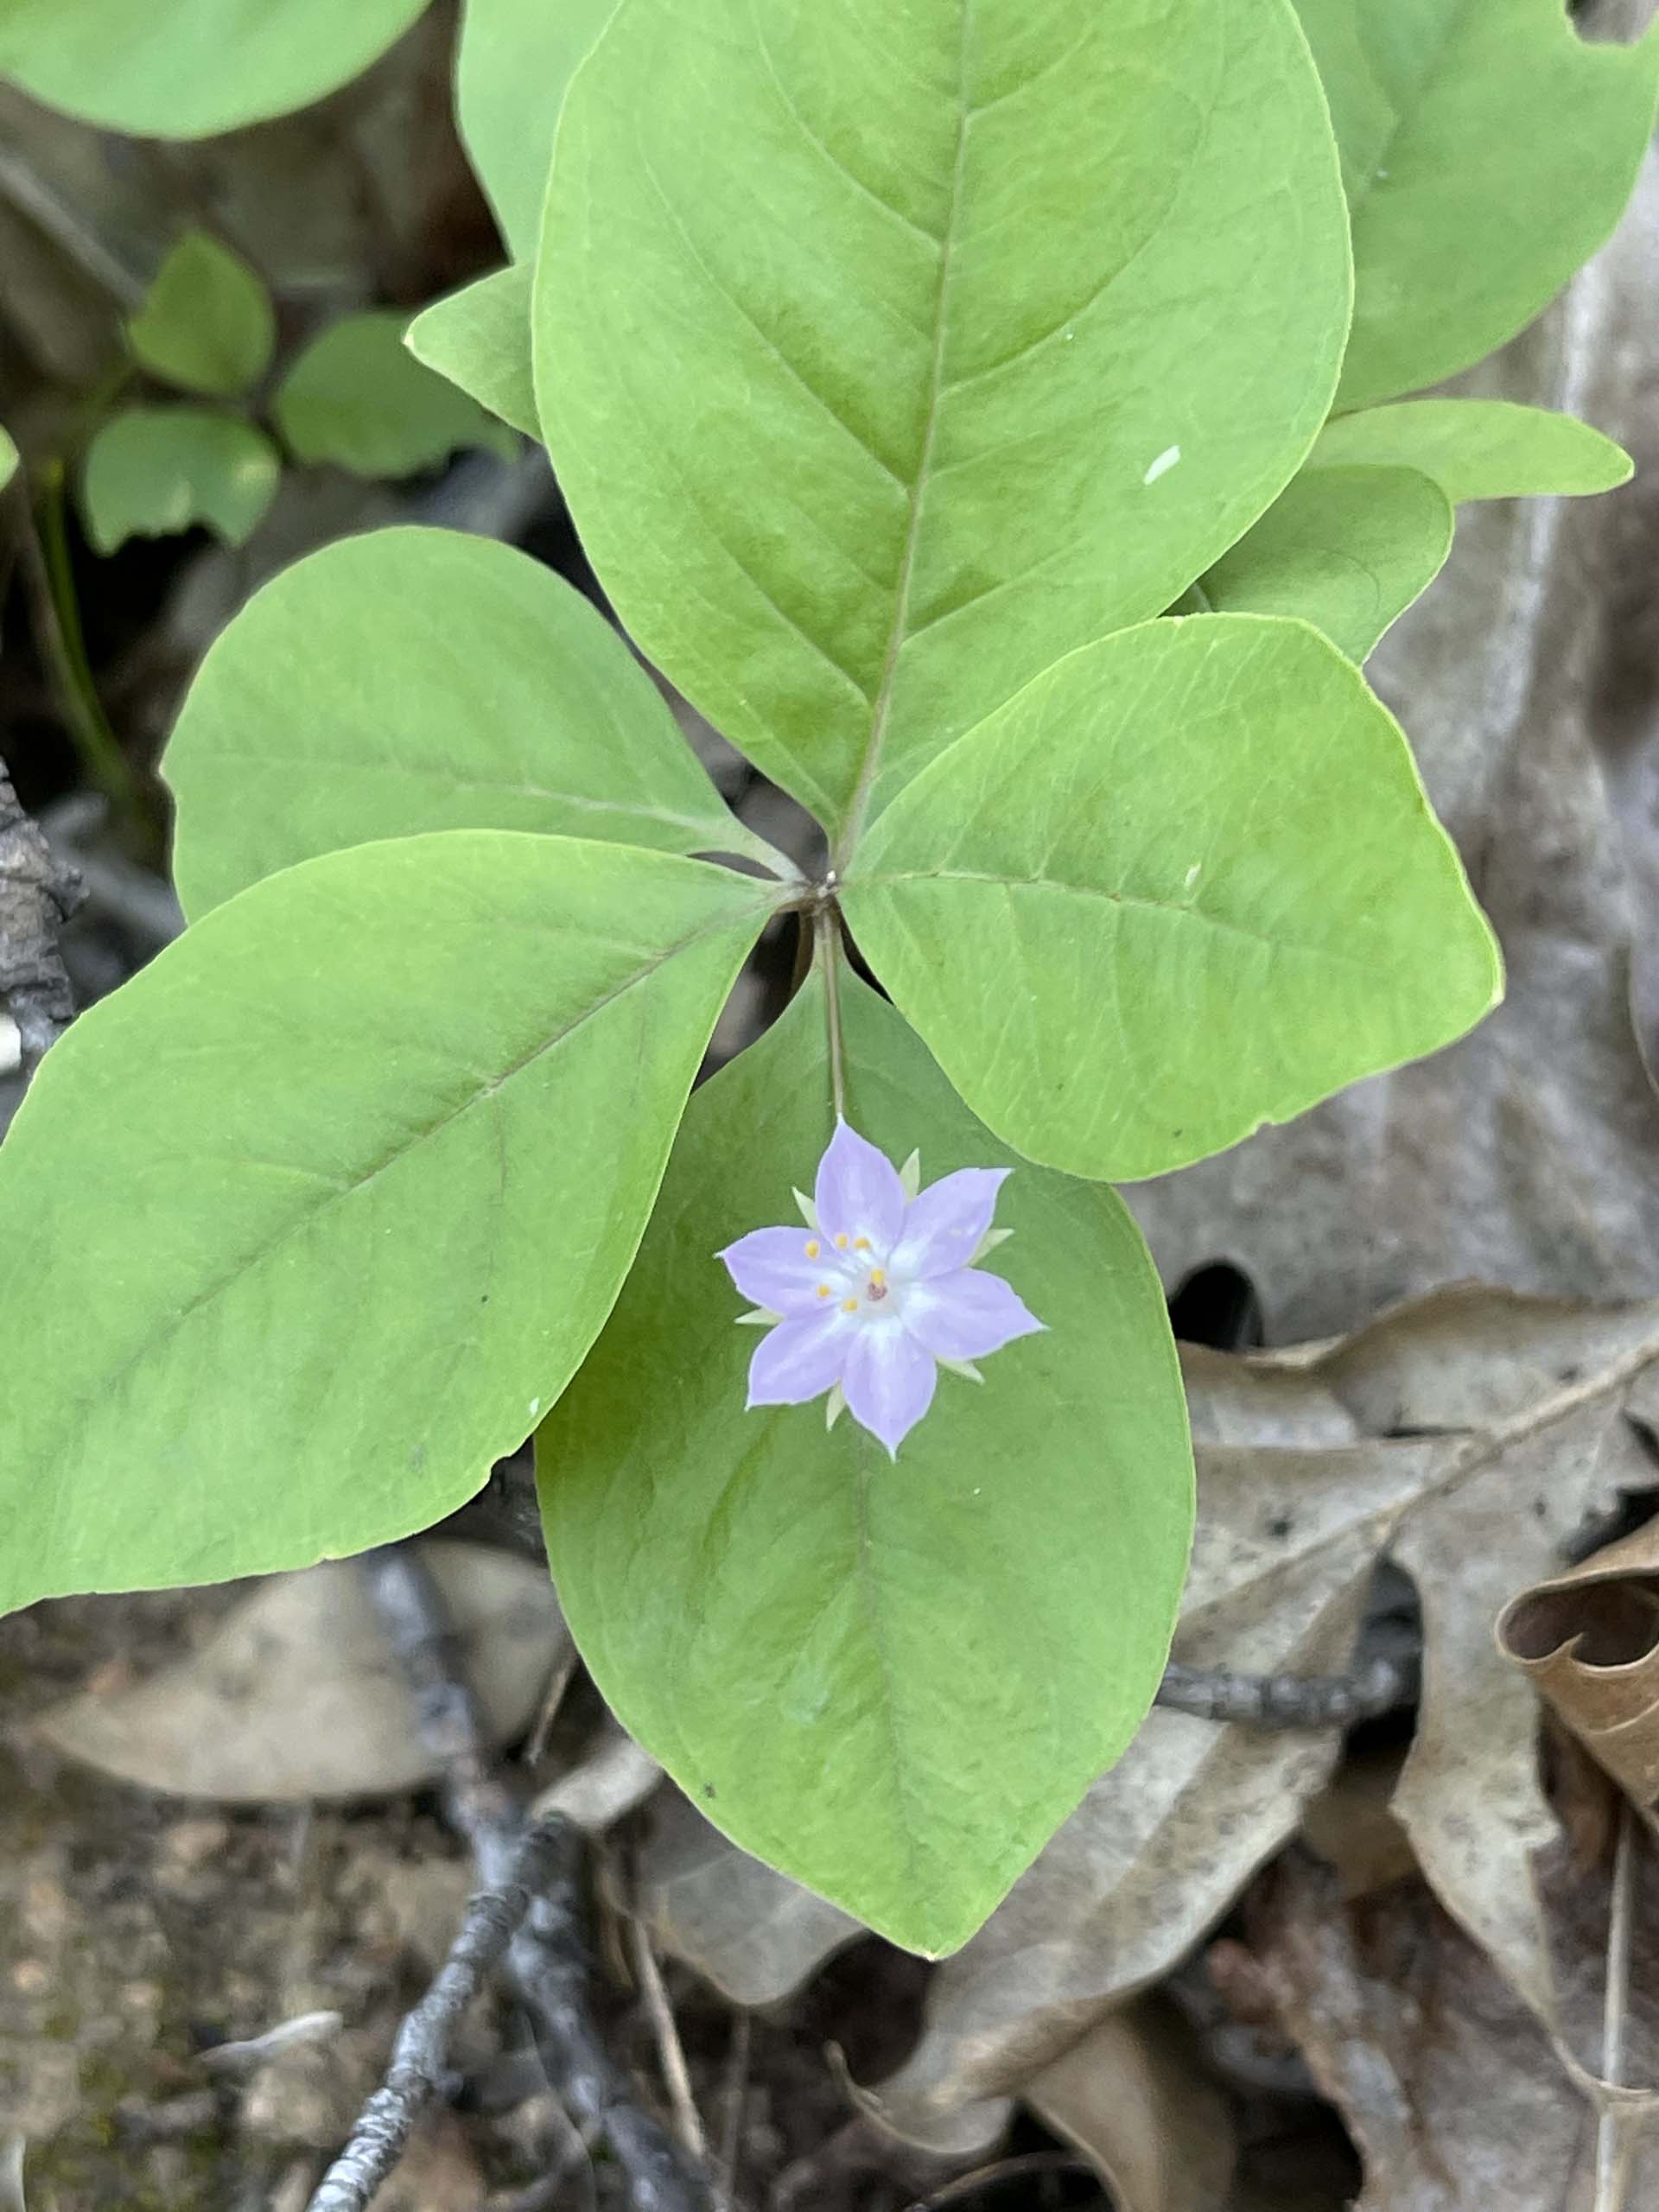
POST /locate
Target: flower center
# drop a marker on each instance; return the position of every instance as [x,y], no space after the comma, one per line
[876,1288]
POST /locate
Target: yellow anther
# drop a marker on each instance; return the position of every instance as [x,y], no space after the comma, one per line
[860,1244]
[840,1243]
[824,1290]
[878,1277]
[849,1306]
[813,1249]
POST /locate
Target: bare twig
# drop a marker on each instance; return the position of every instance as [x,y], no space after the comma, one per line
[733,2097]
[257,2051]
[1616,2136]
[677,2077]
[548,1961]
[38,895]
[419,2055]
[1291,1701]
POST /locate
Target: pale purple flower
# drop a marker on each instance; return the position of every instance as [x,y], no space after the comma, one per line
[878,1290]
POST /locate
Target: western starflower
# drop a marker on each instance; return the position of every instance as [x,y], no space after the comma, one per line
[877,1290]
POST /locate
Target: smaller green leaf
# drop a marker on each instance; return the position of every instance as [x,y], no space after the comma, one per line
[478,338]
[1347,549]
[8,460]
[357,397]
[153,471]
[1186,882]
[191,68]
[208,324]
[893,1680]
[423,679]
[1487,149]
[514,63]
[1478,448]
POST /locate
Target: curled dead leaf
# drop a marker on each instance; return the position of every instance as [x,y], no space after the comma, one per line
[1589,1641]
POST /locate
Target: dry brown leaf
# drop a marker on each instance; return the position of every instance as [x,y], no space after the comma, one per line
[296,1693]
[1448,2083]
[1527,1403]
[757,1936]
[611,1778]
[1132,2097]
[1529,1154]
[1589,1641]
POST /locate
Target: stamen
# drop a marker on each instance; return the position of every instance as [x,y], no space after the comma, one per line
[849,1306]
[841,1243]
[813,1249]
[860,1244]
[878,1277]
[824,1290]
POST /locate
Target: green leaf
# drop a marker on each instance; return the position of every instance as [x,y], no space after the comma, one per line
[8,460]
[886,354]
[892,1680]
[357,397]
[515,61]
[153,471]
[208,323]
[1487,150]
[478,338]
[1478,448]
[1347,549]
[419,679]
[1185,883]
[398,1117]
[189,69]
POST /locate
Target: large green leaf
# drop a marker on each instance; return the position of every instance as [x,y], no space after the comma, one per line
[892,1679]
[886,354]
[188,68]
[153,471]
[1347,549]
[357,397]
[208,323]
[1478,448]
[419,679]
[479,338]
[8,460]
[516,60]
[1186,882]
[307,1224]
[1487,150]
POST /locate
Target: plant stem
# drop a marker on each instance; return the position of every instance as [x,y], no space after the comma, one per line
[826,931]
[63,644]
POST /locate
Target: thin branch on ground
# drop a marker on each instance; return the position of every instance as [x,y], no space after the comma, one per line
[1380,1686]
[421,2055]
[677,2075]
[548,1960]
[38,895]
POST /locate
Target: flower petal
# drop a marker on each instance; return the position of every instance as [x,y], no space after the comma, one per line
[888,1381]
[859,1193]
[942,1227]
[966,1315]
[800,1359]
[784,1269]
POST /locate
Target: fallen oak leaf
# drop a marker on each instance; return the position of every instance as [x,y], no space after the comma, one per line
[1529,1407]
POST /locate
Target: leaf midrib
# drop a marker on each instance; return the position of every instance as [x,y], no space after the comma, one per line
[342,1194]
[1168,909]
[869,766]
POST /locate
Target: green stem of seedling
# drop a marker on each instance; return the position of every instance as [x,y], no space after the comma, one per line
[63,644]
[826,930]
